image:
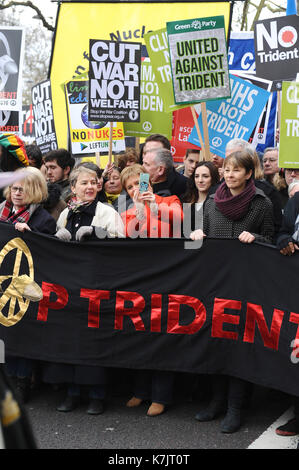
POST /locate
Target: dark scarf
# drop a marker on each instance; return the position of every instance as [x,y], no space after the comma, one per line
[21,215]
[234,207]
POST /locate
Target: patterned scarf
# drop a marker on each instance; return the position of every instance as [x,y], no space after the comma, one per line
[111,198]
[21,215]
[234,207]
[77,206]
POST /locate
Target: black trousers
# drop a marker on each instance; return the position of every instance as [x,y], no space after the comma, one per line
[231,388]
[156,386]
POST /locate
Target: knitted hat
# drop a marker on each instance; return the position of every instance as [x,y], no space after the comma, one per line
[15,146]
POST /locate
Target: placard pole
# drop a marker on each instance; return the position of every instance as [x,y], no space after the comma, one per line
[110,141]
[98,159]
[205,130]
[198,131]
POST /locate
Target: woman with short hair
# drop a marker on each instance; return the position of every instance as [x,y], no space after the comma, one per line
[85,218]
[237,210]
[23,208]
[150,215]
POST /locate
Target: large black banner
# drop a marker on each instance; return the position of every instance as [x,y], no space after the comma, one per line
[226,308]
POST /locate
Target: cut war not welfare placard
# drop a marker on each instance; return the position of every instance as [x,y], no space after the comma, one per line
[114,81]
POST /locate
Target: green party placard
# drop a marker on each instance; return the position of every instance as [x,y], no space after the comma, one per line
[198,56]
[158,51]
[289,126]
[153,118]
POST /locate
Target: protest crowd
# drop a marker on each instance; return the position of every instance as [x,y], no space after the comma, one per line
[179,128]
[81,202]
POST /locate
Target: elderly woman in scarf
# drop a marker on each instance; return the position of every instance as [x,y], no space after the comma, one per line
[237,210]
[84,218]
[23,208]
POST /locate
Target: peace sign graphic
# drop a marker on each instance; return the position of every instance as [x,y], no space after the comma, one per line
[22,287]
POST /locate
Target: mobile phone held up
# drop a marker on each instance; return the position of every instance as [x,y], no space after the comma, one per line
[143,182]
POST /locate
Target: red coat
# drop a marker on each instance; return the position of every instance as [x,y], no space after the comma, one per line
[164,223]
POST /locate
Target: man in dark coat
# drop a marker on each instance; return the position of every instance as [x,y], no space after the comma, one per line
[165,180]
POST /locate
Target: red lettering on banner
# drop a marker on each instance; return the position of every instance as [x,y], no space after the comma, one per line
[45,304]
[294,318]
[174,303]
[95,297]
[156,308]
[254,315]
[133,312]
[219,317]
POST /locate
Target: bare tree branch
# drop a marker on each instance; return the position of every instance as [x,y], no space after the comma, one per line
[29,4]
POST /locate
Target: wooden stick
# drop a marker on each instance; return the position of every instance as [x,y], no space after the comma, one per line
[98,159]
[198,130]
[205,130]
[110,141]
[278,109]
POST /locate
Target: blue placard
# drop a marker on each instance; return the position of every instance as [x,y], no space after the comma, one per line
[232,118]
[241,55]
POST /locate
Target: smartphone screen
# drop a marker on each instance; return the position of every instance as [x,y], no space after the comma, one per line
[143,182]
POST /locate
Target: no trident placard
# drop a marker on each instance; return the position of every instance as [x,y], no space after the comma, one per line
[114,81]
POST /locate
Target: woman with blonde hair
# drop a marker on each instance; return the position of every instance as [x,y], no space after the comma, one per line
[23,208]
[150,215]
[23,205]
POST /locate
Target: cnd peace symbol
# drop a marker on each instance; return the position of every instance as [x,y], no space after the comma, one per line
[17,305]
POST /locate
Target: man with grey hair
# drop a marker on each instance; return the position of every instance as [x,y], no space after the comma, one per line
[237,144]
[165,180]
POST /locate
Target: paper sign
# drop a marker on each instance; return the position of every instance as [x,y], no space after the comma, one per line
[12,42]
[198,56]
[153,118]
[89,136]
[44,127]
[114,81]
[276,43]
[289,126]
[232,118]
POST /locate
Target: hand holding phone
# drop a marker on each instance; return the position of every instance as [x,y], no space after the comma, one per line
[143,182]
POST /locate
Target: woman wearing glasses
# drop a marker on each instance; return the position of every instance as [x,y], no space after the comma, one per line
[23,208]
[23,205]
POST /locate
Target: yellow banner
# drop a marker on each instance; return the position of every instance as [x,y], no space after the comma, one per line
[79,22]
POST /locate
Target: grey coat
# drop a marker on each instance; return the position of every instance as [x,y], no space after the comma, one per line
[258,220]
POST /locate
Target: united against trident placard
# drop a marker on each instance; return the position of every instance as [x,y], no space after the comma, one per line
[114,81]
[198,57]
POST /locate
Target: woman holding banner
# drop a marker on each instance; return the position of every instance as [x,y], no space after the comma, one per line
[150,216]
[237,210]
[85,218]
[23,208]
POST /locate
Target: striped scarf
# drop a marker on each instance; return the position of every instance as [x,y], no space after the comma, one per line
[21,215]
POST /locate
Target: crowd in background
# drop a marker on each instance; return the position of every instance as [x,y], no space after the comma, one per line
[244,196]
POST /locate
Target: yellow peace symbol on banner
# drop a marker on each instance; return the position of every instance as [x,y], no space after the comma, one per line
[10,295]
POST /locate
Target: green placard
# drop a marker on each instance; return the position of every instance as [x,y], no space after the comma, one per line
[153,118]
[289,126]
[158,51]
[198,56]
